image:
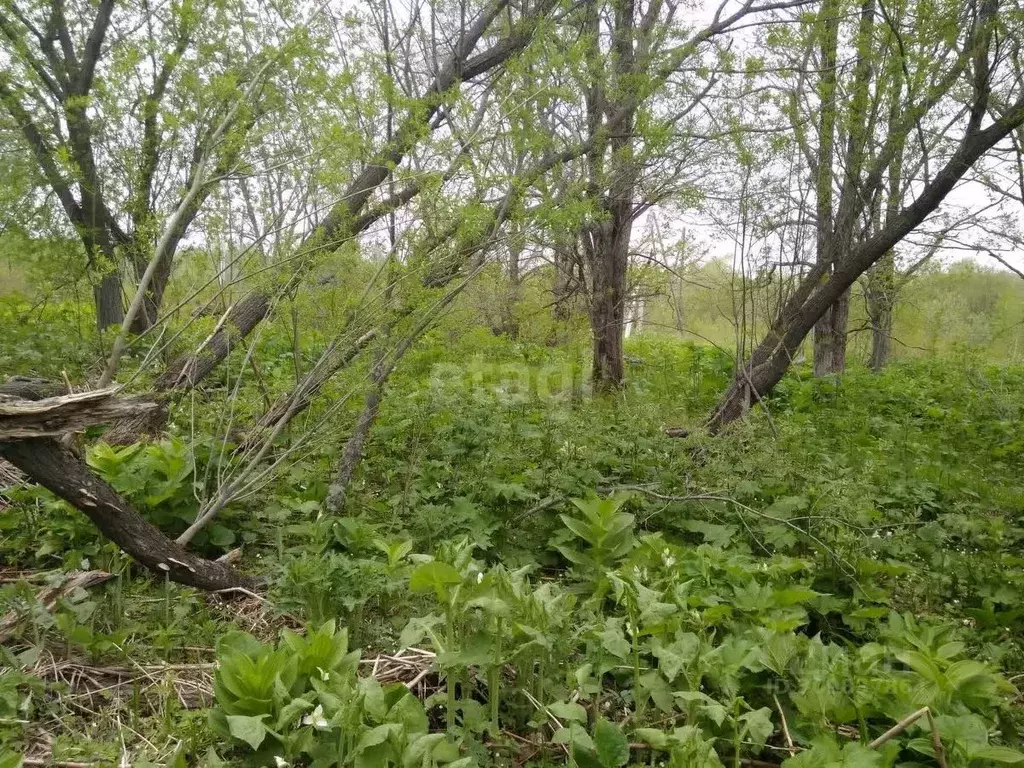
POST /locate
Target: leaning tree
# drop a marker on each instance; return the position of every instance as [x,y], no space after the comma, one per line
[921,93]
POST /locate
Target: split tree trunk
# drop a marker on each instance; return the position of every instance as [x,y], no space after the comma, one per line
[186,371]
[33,417]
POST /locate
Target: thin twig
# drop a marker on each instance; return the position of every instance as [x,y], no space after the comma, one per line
[785,726]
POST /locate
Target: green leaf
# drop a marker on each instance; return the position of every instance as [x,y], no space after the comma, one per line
[574,734]
[408,711]
[758,725]
[579,527]
[998,755]
[375,736]
[921,664]
[613,641]
[652,737]
[568,711]
[251,730]
[610,744]
[436,576]
[221,536]
[291,712]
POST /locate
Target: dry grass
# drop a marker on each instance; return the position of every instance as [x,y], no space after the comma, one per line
[10,478]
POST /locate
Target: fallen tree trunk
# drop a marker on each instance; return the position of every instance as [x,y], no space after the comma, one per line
[29,432]
[22,418]
[299,399]
[56,468]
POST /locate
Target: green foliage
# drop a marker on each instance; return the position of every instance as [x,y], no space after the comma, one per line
[161,479]
[584,579]
[607,532]
[302,700]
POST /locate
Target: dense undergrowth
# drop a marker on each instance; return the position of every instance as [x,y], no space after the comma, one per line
[594,591]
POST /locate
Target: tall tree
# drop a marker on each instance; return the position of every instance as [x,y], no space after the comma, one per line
[645,74]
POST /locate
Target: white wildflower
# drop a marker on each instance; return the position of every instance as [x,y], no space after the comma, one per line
[280,762]
[317,719]
[324,675]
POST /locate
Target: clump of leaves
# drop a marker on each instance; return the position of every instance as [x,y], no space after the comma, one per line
[301,699]
[604,529]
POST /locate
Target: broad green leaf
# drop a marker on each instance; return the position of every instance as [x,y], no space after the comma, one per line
[248,729]
[568,711]
[434,576]
[610,744]
[996,754]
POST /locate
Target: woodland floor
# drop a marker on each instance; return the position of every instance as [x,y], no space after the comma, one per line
[872,514]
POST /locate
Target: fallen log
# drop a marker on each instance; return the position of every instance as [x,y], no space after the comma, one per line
[28,439]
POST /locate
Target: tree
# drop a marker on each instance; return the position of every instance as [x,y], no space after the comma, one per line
[643,145]
[125,121]
[961,88]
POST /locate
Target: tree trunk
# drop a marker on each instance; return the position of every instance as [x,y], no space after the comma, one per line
[109,303]
[51,465]
[880,287]
[241,319]
[819,290]
[830,338]
[154,296]
[301,397]
[606,242]
[881,340]
[509,321]
[352,453]
[607,310]
[826,251]
[567,283]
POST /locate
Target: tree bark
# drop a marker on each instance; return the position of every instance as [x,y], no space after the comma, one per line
[56,468]
[352,453]
[825,328]
[567,282]
[108,300]
[830,338]
[299,399]
[184,372]
[606,242]
[154,296]
[881,283]
[607,314]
